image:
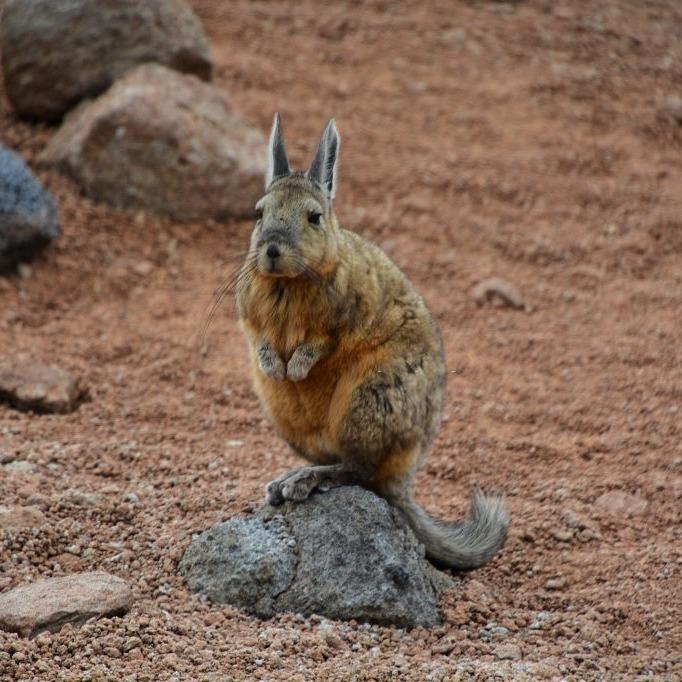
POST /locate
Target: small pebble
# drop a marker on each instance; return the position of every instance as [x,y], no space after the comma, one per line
[556,583]
[562,534]
[508,651]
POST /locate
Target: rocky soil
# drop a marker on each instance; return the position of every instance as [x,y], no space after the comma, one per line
[536,142]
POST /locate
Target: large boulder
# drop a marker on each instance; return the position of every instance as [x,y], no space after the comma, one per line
[28,215]
[57,53]
[345,554]
[163,141]
[48,605]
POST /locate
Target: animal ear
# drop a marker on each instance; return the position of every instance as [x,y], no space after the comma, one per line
[278,163]
[324,164]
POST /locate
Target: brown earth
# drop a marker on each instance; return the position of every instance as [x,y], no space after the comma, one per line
[534,141]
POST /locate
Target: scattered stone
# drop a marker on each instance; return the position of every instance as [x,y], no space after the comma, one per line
[620,503]
[574,520]
[83,499]
[68,562]
[25,271]
[500,291]
[28,215]
[556,583]
[162,141]
[330,638]
[478,592]
[445,647]
[143,268]
[541,619]
[562,534]
[47,605]
[27,385]
[493,632]
[345,554]
[671,110]
[19,518]
[508,651]
[57,53]
[6,457]
[20,466]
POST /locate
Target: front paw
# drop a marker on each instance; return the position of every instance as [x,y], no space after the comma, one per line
[298,369]
[300,363]
[271,364]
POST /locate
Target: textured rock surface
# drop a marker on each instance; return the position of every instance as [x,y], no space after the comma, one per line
[42,388]
[245,562]
[56,53]
[28,215]
[47,605]
[163,141]
[345,554]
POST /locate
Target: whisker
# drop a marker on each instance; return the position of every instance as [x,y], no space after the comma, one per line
[223,289]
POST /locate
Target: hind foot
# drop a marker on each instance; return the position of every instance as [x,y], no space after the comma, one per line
[298,484]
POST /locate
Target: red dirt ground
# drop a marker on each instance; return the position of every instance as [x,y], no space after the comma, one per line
[533,141]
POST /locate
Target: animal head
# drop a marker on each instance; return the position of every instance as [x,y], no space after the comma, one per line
[296,232]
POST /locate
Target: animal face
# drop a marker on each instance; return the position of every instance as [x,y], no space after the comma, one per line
[296,231]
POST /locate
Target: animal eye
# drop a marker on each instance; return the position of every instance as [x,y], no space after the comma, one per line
[314,218]
[258,213]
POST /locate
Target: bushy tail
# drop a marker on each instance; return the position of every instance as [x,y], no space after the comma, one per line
[464,545]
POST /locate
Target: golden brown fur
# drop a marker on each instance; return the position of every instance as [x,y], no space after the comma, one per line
[347,360]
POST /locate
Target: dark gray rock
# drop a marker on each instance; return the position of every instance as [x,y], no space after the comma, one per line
[57,53]
[28,215]
[345,554]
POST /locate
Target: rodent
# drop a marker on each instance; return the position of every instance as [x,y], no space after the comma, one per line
[348,361]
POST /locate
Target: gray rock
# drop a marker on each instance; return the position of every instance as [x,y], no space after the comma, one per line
[493,632]
[345,554]
[47,605]
[541,619]
[56,53]
[20,467]
[247,563]
[28,215]
[165,142]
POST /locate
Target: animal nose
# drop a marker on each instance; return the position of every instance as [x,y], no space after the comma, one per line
[273,251]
